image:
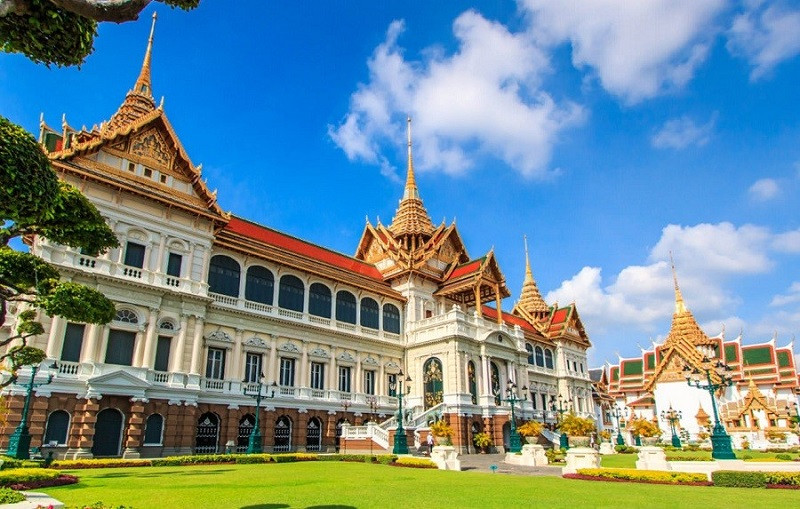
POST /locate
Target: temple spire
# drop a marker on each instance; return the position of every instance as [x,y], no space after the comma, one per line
[680,306]
[530,300]
[411,217]
[139,101]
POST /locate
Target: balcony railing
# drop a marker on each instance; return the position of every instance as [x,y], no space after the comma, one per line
[226,301]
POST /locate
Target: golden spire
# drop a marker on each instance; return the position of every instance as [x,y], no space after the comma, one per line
[139,100]
[680,306]
[530,300]
[411,217]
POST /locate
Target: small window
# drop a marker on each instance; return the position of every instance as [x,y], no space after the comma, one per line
[223,275]
[319,300]
[166,325]
[287,372]
[252,368]
[548,359]
[56,428]
[162,353]
[291,293]
[148,173]
[120,347]
[174,265]
[539,356]
[132,167]
[153,429]
[317,375]
[391,318]
[369,313]
[163,179]
[259,285]
[344,378]
[391,385]
[126,316]
[215,364]
[345,307]
[73,342]
[369,382]
[134,255]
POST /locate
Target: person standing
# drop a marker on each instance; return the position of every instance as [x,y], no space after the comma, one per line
[430,443]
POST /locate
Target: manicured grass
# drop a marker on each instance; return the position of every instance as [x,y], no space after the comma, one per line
[356,485]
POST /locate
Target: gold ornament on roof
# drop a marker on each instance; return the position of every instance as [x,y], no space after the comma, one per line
[530,300]
[411,217]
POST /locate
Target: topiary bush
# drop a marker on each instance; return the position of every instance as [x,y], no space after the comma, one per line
[21,475]
[739,479]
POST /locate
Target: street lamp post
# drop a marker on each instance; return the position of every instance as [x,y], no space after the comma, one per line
[254,441]
[720,440]
[618,414]
[19,443]
[345,404]
[400,440]
[563,441]
[372,401]
[515,442]
[673,417]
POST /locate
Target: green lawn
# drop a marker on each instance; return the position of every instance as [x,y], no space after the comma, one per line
[355,485]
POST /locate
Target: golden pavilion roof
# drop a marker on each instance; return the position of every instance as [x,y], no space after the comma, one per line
[411,217]
[530,304]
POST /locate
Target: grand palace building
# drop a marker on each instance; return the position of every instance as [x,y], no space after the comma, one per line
[210,305]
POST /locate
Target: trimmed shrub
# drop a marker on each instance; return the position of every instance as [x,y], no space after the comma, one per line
[739,479]
[414,462]
[9,462]
[22,475]
[626,449]
[9,496]
[654,476]
[783,457]
[249,459]
[783,478]
[100,463]
[678,457]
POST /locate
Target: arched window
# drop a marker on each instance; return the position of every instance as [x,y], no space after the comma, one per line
[246,425]
[223,276]
[153,429]
[495,377]
[292,293]
[548,358]
[473,384]
[369,313]
[529,349]
[433,384]
[345,307]
[539,357]
[391,318]
[57,428]
[207,434]
[166,325]
[259,285]
[319,300]
[126,316]
[314,435]
[283,434]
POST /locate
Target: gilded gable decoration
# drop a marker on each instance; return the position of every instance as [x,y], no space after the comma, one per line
[151,144]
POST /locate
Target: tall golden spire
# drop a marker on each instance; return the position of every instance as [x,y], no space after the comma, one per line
[684,326]
[139,101]
[530,300]
[411,218]
[680,306]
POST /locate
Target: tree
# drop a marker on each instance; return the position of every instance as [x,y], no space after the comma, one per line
[34,202]
[62,32]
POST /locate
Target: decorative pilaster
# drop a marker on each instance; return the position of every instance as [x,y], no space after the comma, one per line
[135,429]
[197,345]
[150,340]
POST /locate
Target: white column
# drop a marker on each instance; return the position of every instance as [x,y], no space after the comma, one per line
[91,339]
[176,355]
[304,376]
[272,373]
[103,344]
[236,362]
[332,375]
[161,252]
[145,353]
[358,382]
[57,326]
[380,388]
[197,345]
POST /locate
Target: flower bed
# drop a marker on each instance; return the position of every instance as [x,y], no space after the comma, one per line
[640,476]
[61,480]
[414,463]
[678,457]
[24,475]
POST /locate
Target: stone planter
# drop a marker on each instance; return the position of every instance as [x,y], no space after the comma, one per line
[441,440]
[531,440]
[578,441]
[649,440]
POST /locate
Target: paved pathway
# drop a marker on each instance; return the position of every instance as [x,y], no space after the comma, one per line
[483,463]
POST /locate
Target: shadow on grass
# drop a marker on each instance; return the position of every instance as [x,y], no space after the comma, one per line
[330,507]
[113,475]
[264,506]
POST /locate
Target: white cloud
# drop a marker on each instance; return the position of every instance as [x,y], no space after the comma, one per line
[681,132]
[641,297]
[764,190]
[791,296]
[638,49]
[483,99]
[766,33]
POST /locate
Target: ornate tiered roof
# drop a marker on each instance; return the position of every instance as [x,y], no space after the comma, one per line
[411,218]
[530,305]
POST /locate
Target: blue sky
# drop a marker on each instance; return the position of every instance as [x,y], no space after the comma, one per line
[609,132]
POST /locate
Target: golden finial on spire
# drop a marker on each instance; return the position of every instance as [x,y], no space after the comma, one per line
[528,272]
[680,306]
[411,217]
[530,304]
[411,190]
[143,85]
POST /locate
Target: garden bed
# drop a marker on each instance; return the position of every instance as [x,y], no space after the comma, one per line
[640,476]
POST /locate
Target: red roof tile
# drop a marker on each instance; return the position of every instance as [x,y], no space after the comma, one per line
[491,313]
[303,248]
[467,268]
[559,316]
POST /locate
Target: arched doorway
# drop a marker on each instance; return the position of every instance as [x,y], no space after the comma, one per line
[283,435]
[507,436]
[432,382]
[207,434]
[107,433]
[246,424]
[314,435]
[339,425]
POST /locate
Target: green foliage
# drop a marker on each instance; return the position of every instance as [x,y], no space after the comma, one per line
[8,462]
[9,496]
[442,429]
[555,456]
[739,479]
[632,474]
[783,478]
[20,475]
[77,302]
[575,426]
[625,449]
[482,439]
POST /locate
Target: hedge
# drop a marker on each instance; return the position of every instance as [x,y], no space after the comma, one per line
[414,462]
[100,463]
[678,457]
[22,475]
[739,479]
[783,478]
[653,476]
[9,462]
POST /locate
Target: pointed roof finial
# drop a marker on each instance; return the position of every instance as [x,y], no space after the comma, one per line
[530,300]
[680,306]
[411,216]
[528,272]
[411,190]
[143,85]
